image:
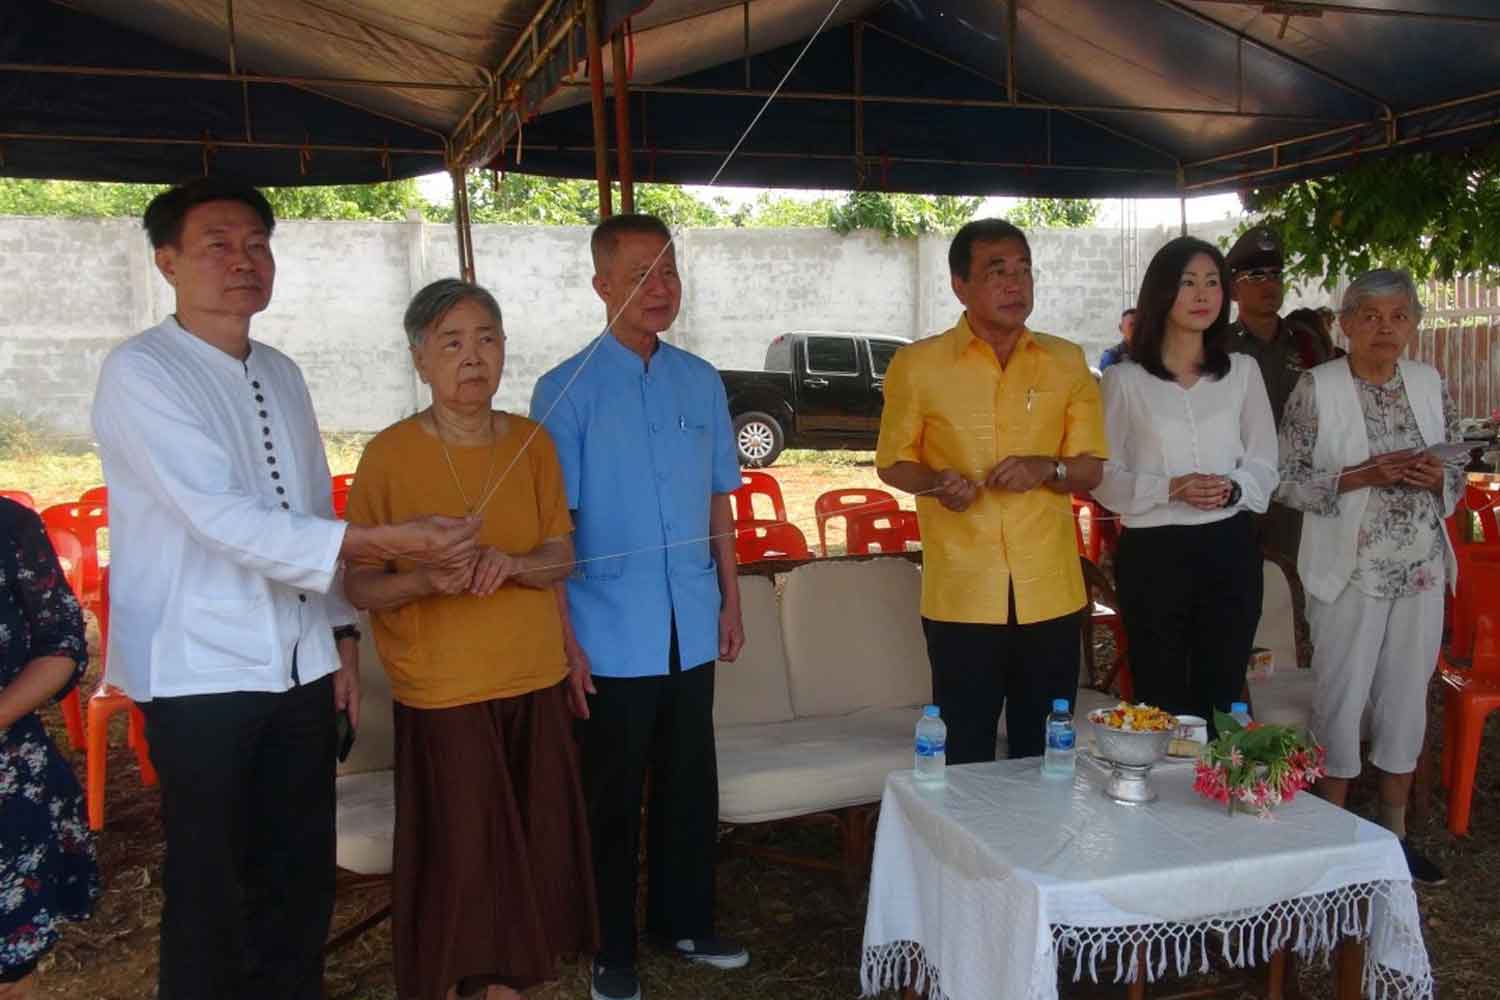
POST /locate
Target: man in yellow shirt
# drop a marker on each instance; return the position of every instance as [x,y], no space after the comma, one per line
[994,426]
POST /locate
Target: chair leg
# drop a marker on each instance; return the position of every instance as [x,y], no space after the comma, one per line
[72,713]
[142,749]
[1465,766]
[97,763]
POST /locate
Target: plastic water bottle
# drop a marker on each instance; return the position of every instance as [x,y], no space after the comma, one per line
[932,745]
[1059,757]
[1240,712]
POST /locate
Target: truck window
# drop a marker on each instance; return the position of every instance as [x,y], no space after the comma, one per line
[779,355]
[881,352]
[832,356]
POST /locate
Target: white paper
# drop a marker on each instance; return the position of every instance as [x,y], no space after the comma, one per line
[1449,453]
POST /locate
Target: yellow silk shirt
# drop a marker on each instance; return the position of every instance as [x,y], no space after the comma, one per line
[950,405]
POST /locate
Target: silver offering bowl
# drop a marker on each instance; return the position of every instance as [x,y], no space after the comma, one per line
[1130,756]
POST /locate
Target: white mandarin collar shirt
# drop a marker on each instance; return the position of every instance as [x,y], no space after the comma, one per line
[223,544]
[1158,430]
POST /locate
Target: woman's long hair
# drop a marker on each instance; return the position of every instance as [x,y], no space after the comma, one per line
[1159,290]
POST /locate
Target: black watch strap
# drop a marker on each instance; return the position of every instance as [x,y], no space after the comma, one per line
[345,632]
[1234,495]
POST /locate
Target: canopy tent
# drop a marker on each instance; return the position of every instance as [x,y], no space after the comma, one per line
[1043,97]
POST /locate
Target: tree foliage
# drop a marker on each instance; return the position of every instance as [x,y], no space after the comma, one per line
[901,214]
[1435,214]
[389,201]
[1054,213]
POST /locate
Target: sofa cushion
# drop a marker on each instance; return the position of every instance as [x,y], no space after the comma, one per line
[853,633]
[366,820]
[375,742]
[1277,630]
[754,687]
[782,769]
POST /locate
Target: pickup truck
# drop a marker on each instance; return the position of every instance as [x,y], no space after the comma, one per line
[818,390]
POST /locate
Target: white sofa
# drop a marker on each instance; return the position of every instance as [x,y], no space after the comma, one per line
[823,701]
[1286,697]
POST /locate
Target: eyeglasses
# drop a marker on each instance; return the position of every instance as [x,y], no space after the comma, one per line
[1257,275]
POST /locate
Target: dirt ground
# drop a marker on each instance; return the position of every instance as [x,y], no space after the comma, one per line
[803,929]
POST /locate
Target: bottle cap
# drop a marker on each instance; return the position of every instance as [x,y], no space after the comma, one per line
[1239,706]
[1059,704]
[931,711]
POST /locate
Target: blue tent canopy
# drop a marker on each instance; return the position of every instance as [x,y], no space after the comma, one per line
[1041,97]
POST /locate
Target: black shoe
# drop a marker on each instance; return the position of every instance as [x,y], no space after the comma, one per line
[615,982]
[1423,871]
[720,952]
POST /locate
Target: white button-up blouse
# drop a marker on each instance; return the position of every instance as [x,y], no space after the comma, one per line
[1158,430]
[223,544]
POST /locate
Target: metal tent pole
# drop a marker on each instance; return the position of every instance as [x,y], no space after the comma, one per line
[465,231]
[622,123]
[596,93]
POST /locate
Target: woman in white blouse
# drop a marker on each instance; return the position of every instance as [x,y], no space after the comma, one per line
[1193,452]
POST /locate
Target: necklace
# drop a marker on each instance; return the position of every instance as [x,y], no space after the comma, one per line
[470,507]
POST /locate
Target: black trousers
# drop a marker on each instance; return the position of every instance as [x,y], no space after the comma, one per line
[248,805]
[663,724]
[1190,598]
[978,669]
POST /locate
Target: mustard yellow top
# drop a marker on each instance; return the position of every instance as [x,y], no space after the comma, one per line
[443,650]
[949,404]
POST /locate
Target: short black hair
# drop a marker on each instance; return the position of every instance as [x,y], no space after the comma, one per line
[607,234]
[165,214]
[961,250]
[1128,312]
[1159,290]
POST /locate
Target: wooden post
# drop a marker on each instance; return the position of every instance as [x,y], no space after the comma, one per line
[626,168]
[461,223]
[596,94]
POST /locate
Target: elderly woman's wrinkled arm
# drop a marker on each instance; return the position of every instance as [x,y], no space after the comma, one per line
[1303,485]
[546,564]
[378,588]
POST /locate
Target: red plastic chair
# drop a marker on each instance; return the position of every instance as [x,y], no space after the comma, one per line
[340,503]
[753,483]
[84,521]
[95,494]
[1483,502]
[841,503]
[754,542]
[69,551]
[343,481]
[1471,695]
[882,531]
[1476,591]
[107,701]
[21,497]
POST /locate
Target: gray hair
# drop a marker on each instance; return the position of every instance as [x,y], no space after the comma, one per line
[1377,284]
[432,303]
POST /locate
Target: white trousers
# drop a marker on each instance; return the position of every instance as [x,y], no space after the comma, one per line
[1373,655]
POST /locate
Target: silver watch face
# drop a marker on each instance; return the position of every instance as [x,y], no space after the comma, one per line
[1060,470]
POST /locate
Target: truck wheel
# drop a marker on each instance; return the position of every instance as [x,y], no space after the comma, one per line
[758,439]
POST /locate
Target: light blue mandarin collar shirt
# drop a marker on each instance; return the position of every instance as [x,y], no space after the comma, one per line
[643,450]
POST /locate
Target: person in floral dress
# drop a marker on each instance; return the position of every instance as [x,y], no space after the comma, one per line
[1374,557]
[48,873]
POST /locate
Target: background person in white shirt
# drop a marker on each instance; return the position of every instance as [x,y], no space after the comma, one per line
[224,610]
[1193,451]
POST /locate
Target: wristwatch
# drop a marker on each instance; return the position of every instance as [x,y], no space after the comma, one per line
[1060,471]
[1234,495]
[345,632]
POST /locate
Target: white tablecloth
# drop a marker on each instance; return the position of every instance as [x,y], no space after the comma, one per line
[980,884]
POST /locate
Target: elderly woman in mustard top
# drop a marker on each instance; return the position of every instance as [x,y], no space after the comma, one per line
[1357,459]
[492,881]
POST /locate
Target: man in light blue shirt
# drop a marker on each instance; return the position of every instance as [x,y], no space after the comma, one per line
[643,435]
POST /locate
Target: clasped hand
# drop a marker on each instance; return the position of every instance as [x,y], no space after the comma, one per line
[1409,467]
[480,573]
[1016,474]
[1201,490]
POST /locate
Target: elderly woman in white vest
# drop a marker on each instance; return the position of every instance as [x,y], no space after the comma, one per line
[1355,457]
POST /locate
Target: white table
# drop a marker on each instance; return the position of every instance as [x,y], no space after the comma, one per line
[981,884]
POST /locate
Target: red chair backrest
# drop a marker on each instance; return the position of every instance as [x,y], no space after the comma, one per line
[1487,646]
[1481,501]
[69,552]
[95,494]
[752,483]
[1478,594]
[843,503]
[342,481]
[19,496]
[755,542]
[340,501]
[882,531]
[85,521]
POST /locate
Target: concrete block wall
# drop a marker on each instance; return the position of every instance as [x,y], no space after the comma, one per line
[73,288]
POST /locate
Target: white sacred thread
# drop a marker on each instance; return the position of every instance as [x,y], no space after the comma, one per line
[483,503]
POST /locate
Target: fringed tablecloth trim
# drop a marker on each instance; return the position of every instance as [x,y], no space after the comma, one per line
[1309,926]
[896,965]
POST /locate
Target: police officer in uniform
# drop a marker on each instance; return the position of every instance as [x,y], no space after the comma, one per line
[1283,352]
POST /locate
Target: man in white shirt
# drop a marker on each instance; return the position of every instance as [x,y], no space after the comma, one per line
[227,626]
